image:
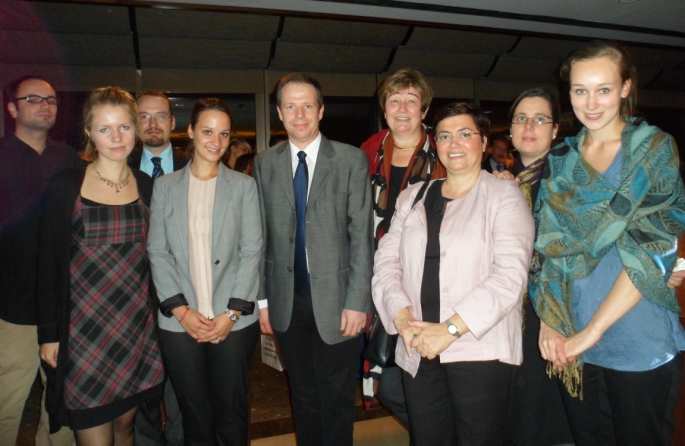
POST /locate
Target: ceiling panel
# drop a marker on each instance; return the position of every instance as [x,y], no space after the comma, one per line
[460,41]
[203,53]
[66,49]
[309,30]
[64,17]
[548,48]
[510,68]
[439,63]
[329,58]
[206,24]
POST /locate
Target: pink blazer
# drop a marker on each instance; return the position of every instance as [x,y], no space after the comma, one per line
[486,241]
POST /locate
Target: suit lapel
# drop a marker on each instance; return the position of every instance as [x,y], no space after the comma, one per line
[180,191]
[220,206]
[284,172]
[321,170]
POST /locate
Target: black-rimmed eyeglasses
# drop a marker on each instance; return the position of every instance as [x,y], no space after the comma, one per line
[38,99]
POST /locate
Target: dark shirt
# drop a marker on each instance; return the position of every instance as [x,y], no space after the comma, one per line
[24,175]
[396,177]
[435,205]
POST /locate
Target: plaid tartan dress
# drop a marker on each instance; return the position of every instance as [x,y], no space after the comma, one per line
[113,354]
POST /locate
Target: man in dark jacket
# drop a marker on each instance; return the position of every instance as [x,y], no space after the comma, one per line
[30,159]
[157,157]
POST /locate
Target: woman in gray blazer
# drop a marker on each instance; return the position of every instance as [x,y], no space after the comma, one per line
[205,245]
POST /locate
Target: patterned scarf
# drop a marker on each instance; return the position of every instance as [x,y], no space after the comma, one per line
[580,217]
[423,165]
[529,177]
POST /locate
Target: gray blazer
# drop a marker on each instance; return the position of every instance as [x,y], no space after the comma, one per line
[236,243]
[339,234]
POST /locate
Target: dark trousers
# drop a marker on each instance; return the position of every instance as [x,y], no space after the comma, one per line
[391,393]
[322,379]
[211,385]
[458,403]
[625,408]
[148,424]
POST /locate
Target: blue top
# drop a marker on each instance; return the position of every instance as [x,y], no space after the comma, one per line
[167,156]
[646,337]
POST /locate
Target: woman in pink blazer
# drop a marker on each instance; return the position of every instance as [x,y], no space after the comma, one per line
[449,278]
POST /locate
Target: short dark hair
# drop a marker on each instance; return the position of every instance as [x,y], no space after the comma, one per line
[463,108]
[622,58]
[538,92]
[157,94]
[205,104]
[297,78]
[11,89]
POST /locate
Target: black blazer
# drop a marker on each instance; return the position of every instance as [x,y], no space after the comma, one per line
[180,159]
[53,286]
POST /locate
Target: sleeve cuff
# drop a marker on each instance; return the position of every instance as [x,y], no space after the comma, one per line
[47,333]
[244,306]
[262,303]
[167,305]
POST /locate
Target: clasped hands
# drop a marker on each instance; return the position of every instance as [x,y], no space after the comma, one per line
[561,350]
[201,328]
[429,339]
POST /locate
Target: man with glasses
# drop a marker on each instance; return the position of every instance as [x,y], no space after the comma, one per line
[156,121]
[157,157]
[30,160]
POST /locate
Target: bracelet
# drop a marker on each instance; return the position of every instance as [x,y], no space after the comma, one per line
[180,321]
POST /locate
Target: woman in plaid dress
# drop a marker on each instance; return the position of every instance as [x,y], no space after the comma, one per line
[95,325]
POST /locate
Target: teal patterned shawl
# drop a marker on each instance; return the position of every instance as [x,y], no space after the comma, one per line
[580,216]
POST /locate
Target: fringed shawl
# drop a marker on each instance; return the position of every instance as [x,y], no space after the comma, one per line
[580,216]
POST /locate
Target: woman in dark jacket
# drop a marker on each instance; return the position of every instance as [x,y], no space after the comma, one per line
[95,327]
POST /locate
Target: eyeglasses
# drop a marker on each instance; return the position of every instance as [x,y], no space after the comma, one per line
[461,135]
[160,116]
[38,99]
[538,120]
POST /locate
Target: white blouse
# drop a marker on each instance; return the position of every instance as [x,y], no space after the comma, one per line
[200,208]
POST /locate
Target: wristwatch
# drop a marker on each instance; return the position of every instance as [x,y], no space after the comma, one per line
[453,329]
[233,315]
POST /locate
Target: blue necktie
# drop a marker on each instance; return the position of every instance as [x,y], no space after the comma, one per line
[157,170]
[300,184]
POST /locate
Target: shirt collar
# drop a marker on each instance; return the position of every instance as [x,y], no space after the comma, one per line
[311,149]
[147,154]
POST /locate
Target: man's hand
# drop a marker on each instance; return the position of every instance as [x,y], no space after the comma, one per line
[352,322]
[49,352]
[264,323]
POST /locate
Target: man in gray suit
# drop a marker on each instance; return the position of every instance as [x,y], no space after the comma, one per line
[316,211]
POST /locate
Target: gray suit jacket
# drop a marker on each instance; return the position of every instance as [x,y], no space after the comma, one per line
[339,234]
[237,242]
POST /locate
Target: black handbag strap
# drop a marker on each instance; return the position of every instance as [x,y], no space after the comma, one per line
[422,191]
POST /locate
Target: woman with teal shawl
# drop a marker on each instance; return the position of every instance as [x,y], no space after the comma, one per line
[609,214]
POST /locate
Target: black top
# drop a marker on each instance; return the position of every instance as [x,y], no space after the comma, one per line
[396,177]
[24,175]
[435,205]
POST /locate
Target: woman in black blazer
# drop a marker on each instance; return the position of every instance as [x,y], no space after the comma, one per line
[95,326]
